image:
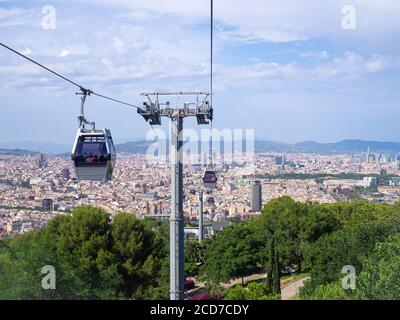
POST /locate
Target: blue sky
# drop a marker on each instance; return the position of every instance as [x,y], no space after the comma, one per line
[285,68]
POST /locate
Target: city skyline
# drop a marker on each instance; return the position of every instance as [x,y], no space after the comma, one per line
[194,147]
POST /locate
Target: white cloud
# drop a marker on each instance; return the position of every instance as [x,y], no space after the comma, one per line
[336,72]
[379,63]
[272,34]
[15,16]
[64,53]
[26,51]
[140,15]
[15,71]
[315,55]
[277,20]
[354,65]
[169,50]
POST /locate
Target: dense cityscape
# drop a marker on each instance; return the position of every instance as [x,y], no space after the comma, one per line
[35,187]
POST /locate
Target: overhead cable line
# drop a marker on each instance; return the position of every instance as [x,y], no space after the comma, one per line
[83,89]
[115,100]
[211,50]
[211,78]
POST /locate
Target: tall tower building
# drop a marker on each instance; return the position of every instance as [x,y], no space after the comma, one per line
[65,173]
[40,161]
[367,157]
[47,204]
[378,158]
[279,160]
[256,196]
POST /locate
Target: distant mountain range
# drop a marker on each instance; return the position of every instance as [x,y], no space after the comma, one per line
[16,152]
[345,146]
[261,146]
[133,147]
[32,146]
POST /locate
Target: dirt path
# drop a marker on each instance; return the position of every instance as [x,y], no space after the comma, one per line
[292,289]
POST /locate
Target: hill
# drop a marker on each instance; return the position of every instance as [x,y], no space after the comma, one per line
[348,146]
[16,152]
[260,146]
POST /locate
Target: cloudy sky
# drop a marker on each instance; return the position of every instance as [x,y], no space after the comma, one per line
[286,68]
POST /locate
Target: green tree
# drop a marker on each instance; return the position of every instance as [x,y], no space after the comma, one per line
[380,278]
[269,281]
[331,291]
[295,226]
[138,250]
[276,274]
[94,258]
[232,253]
[253,291]
[349,246]
[194,257]
[273,282]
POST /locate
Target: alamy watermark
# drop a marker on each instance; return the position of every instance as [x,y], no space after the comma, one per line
[49,280]
[49,19]
[349,280]
[226,146]
[349,21]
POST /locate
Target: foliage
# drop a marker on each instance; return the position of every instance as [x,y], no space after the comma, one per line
[331,291]
[380,278]
[269,281]
[97,257]
[348,246]
[253,291]
[273,272]
[94,258]
[383,177]
[319,238]
[232,253]
[276,276]
[294,226]
[194,257]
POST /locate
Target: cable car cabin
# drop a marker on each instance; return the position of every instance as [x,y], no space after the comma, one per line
[210,179]
[94,154]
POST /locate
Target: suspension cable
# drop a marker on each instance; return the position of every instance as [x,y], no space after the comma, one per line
[115,100]
[83,89]
[211,51]
[211,79]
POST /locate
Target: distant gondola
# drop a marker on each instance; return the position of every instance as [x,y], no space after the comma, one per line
[94,154]
[210,179]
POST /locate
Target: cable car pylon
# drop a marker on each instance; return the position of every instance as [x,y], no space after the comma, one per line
[152,112]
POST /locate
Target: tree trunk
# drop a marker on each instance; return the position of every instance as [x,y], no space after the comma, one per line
[276,277]
[270,268]
[298,262]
